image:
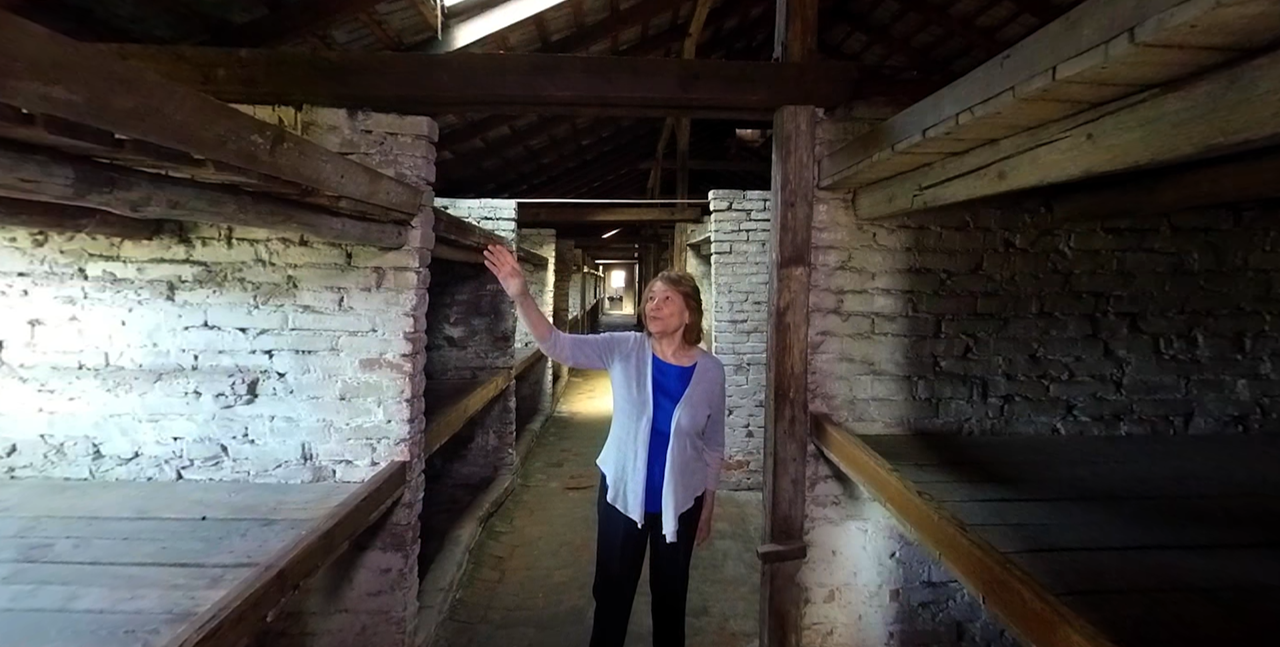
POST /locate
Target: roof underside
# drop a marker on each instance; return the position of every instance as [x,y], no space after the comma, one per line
[530,156]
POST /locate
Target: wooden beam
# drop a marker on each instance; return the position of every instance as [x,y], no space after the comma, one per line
[480,26]
[288,22]
[536,215]
[244,610]
[752,166]
[448,227]
[1242,178]
[1091,24]
[1225,111]
[548,84]
[46,73]
[44,177]
[1031,611]
[787,365]
[63,218]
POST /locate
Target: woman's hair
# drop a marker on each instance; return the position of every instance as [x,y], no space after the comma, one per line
[687,287]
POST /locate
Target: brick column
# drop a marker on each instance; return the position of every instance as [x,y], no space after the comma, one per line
[740,292]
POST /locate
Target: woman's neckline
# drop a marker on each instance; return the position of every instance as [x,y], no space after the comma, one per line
[694,364]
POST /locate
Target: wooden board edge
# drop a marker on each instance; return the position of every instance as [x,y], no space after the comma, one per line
[456,416]
[243,610]
[528,362]
[1030,611]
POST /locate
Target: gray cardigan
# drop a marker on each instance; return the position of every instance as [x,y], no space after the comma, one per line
[696,450]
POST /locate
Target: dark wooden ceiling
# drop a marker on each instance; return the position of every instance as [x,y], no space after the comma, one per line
[579,157]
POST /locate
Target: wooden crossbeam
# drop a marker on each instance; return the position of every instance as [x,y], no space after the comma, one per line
[44,177]
[45,73]
[1225,111]
[535,215]
[244,610]
[413,83]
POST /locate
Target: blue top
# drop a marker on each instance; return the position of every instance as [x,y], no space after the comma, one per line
[669,384]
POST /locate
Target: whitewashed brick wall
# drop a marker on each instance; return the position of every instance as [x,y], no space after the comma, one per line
[740,296]
[541,279]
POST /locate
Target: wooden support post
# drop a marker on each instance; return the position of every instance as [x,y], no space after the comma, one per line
[787,398]
[679,247]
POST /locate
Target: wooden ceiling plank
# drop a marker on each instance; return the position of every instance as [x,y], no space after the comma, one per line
[48,74]
[614,142]
[488,23]
[415,83]
[380,31]
[462,164]
[289,22]
[985,43]
[49,216]
[618,21]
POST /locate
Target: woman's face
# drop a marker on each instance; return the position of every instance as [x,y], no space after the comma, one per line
[665,312]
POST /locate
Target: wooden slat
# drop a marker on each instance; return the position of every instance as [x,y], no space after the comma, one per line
[1110,54]
[53,629]
[122,578]
[545,84]
[1028,608]
[1087,26]
[462,233]
[249,530]
[247,607]
[48,216]
[216,548]
[527,255]
[451,403]
[1125,533]
[525,359]
[1222,112]
[533,215]
[32,175]
[46,73]
[165,500]
[95,600]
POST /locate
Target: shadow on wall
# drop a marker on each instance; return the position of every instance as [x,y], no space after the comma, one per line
[996,320]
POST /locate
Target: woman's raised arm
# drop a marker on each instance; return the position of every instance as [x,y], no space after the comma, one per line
[506,268]
[576,351]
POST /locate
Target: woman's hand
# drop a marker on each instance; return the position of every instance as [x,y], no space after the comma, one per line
[507,270]
[704,521]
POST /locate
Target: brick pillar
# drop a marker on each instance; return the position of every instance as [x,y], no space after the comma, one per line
[740,287]
[542,284]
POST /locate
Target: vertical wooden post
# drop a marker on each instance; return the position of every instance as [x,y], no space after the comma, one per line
[680,247]
[580,266]
[787,397]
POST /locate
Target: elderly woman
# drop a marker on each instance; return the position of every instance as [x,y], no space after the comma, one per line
[661,461]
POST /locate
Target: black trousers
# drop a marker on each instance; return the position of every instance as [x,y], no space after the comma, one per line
[620,548]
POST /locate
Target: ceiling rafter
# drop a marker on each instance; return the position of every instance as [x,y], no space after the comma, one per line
[614,140]
[288,22]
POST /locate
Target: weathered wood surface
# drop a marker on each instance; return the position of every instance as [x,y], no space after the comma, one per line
[1222,112]
[242,612]
[47,73]
[527,358]
[1099,52]
[48,216]
[1027,607]
[1128,521]
[451,403]
[414,83]
[34,175]
[786,395]
[138,563]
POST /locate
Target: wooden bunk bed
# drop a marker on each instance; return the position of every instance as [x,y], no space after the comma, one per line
[173,564]
[1091,541]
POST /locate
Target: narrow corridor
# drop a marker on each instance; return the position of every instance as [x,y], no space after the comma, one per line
[528,583]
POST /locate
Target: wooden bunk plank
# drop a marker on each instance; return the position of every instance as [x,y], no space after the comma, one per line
[527,358]
[1119,533]
[1029,609]
[62,179]
[529,256]
[52,629]
[243,610]
[180,500]
[451,403]
[533,215]
[48,74]
[1095,54]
